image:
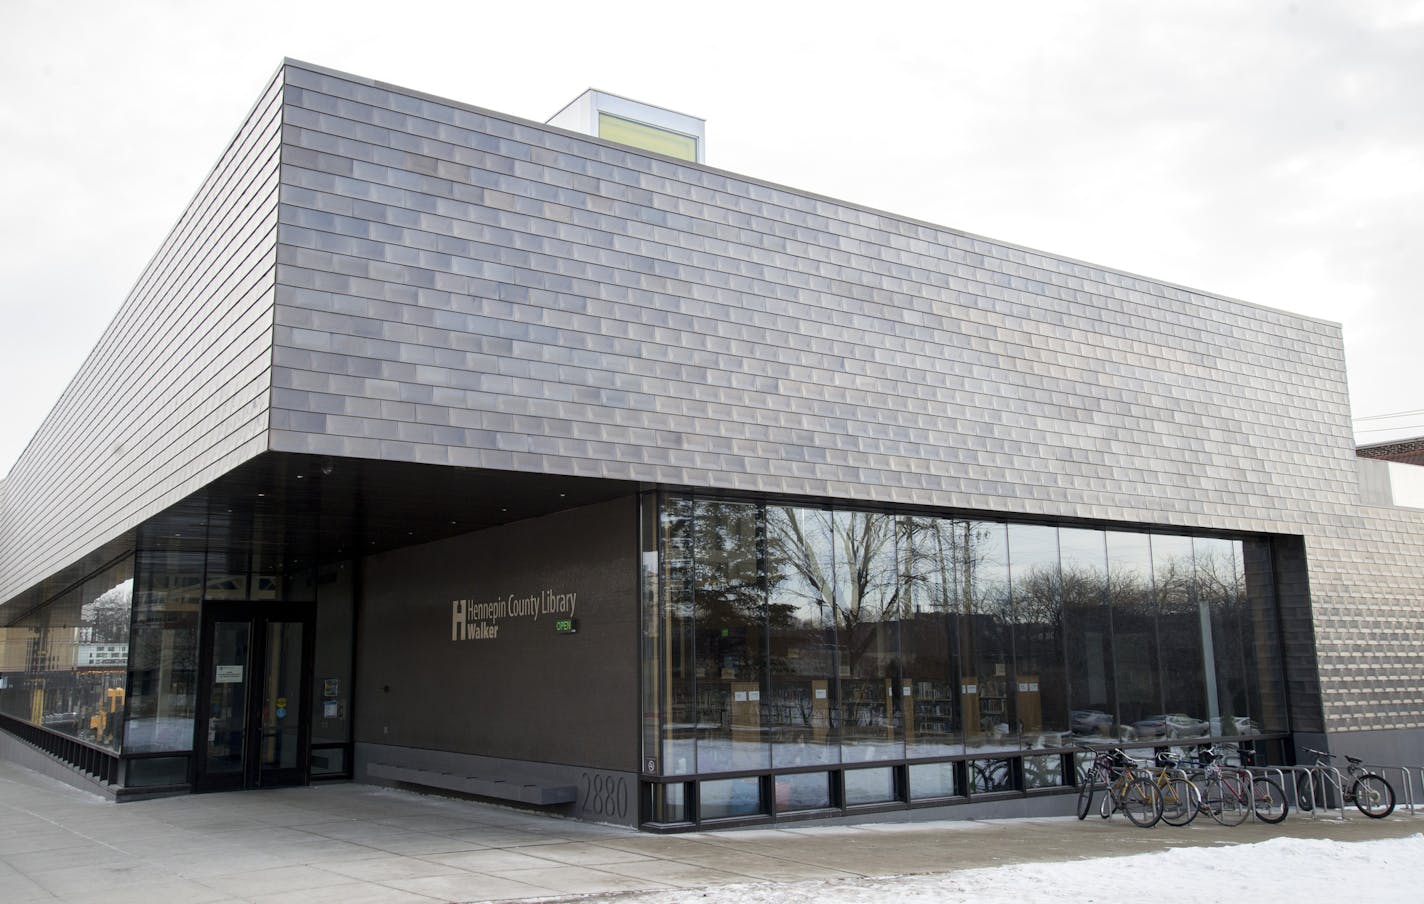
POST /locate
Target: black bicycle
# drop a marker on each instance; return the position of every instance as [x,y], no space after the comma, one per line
[1368,791]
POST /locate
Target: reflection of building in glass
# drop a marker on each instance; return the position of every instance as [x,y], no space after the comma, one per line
[770,506]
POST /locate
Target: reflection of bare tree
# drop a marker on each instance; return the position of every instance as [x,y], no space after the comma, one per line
[1037,596]
[804,544]
[839,571]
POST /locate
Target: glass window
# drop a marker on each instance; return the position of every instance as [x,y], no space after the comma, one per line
[680,730]
[986,776]
[1268,677]
[730,797]
[156,771]
[869,786]
[649,138]
[990,704]
[63,666]
[1043,771]
[803,791]
[867,607]
[1221,598]
[1088,633]
[670,803]
[730,642]
[1040,688]
[652,619]
[1134,622]
[163,665]
[793,636]
[930,557]
[1183,637]
[803,714]
[930,780]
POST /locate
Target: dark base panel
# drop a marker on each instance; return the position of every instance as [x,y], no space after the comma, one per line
[580,792]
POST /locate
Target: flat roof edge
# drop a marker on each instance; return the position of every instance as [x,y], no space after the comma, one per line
[518,120]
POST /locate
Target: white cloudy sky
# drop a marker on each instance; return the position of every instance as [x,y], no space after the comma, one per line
[1266,150]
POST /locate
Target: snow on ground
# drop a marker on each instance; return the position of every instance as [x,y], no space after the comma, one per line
[1293,870]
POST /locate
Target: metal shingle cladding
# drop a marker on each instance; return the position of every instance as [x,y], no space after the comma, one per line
[459,287]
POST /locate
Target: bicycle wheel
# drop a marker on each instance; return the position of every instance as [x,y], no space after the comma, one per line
[1141,802]
[1373,795]
[1180,802]
[1305,796]
[1224,801]
[1085,796]
[1269,800]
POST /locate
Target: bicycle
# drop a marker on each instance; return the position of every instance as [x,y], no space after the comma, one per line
[1181,799]
[1230,795]
[1113,772]
[1371,794]
[1267,796]
[1224,796]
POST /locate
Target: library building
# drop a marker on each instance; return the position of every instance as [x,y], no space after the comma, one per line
[546,464]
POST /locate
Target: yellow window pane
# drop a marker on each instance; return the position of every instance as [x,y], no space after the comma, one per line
[649,138]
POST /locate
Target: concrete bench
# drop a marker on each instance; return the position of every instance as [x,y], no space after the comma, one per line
[537,794]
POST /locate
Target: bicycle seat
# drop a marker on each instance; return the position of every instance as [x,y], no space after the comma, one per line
[1354,760]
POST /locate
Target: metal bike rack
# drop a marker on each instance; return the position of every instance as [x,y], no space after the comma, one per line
[1328,776]
[1404,786]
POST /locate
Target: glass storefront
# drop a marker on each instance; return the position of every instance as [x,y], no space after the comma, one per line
[784,637]
[62,666]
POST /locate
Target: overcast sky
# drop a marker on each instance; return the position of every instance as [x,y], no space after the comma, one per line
[1269,151]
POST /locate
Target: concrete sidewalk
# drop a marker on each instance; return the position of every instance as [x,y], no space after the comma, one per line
[357,843]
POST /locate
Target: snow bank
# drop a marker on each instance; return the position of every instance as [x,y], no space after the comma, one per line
[1282,869]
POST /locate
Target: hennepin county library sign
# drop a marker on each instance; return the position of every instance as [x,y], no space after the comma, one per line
[480,621]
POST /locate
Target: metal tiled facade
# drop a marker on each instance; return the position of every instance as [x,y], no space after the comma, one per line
[436,283]
[463,288]
[175,393]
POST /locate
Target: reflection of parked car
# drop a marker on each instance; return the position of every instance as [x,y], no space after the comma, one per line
[1245,725]
[1090,721]
[1170,725]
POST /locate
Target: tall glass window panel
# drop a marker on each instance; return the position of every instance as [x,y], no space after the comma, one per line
[988,693]
[679,749]
[101,655]
[163,660]
[650,610]
[1184,637]
[1268,676]
[1134,623]
[730,611]
[56,697]
[1220,592]
[15,643]
[867,620]
[1040,683]
[929,619]
[802,713]
[1088,633]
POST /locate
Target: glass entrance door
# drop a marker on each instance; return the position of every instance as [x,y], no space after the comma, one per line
[253,728]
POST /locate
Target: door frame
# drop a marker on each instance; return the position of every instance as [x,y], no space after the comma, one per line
[258,615]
